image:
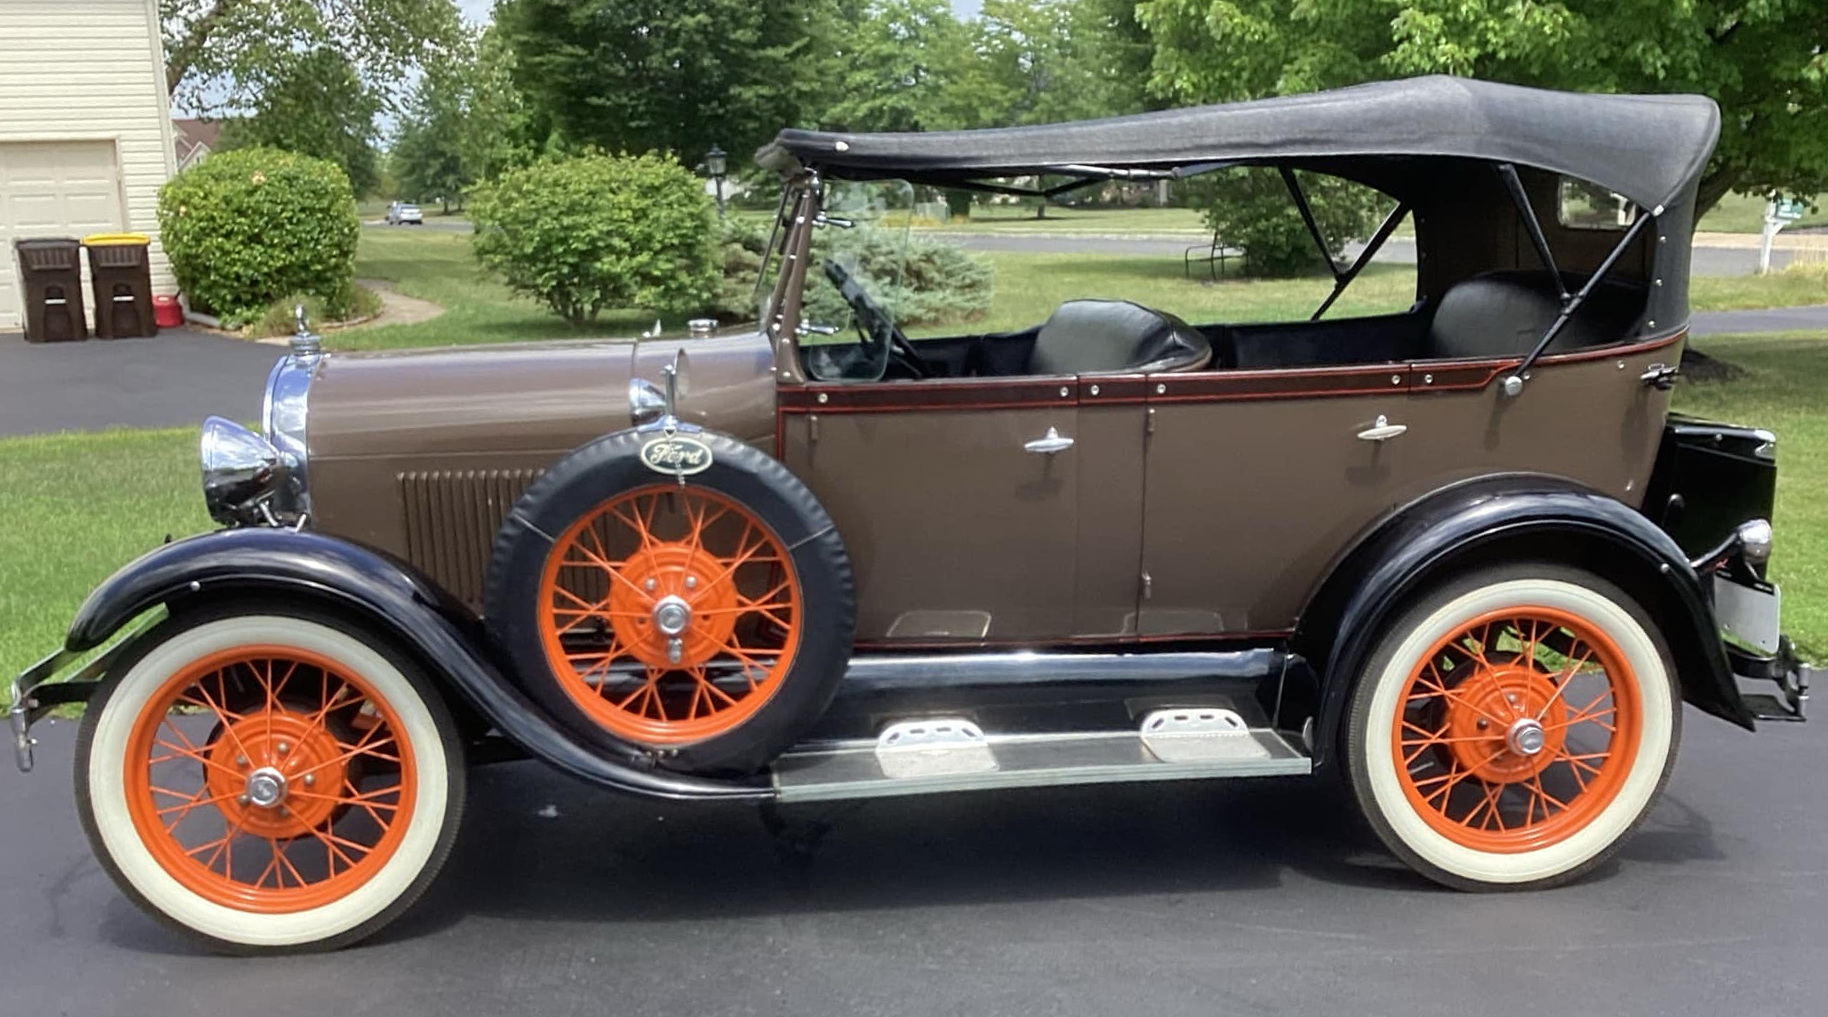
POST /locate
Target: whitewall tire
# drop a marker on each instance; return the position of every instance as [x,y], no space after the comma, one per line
[269,781]
[1513,727]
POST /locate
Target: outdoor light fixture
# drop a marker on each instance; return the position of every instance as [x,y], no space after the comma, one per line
[716,161]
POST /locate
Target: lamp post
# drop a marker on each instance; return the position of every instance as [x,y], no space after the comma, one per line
[715,164]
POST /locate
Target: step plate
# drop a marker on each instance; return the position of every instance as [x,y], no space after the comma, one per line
[852,769]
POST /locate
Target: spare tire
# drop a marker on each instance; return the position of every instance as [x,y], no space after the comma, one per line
[702,614]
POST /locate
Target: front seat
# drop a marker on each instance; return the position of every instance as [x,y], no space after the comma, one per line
[1117,337]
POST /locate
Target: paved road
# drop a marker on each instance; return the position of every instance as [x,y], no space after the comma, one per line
[171,380]
[1242,898]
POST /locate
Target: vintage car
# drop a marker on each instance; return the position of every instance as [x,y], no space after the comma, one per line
[1461,555]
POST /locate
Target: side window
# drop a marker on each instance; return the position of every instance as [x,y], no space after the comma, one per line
[1585,206]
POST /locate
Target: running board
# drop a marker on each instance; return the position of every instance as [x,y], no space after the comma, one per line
[939,754]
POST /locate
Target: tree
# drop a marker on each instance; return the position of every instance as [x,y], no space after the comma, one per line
[1762,62]
[217,51]
[892,66]
[464,122]
[313,103]
[666,75]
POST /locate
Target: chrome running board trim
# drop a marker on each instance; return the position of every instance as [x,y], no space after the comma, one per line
[926,670]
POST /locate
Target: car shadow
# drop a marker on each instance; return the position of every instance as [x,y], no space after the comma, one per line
[536,847]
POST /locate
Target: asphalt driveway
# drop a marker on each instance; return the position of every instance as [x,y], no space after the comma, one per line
[173,379]
[1256,897]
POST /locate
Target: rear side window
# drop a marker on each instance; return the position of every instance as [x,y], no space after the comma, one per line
[1588,206]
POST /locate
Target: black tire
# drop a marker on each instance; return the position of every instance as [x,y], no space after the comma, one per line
[369,906]
[612,466]
[1406,804]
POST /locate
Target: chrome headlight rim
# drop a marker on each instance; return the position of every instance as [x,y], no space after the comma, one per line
[284,413]
[242,472]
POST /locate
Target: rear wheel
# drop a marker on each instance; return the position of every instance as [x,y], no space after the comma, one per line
[269,781]
[1513,727]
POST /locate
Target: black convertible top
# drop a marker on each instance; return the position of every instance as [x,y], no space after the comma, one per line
[1646,147]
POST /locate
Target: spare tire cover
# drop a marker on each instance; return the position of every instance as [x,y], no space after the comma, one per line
[683,595]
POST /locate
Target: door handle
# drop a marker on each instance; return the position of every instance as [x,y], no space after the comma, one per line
[1383,430]
[1053,441]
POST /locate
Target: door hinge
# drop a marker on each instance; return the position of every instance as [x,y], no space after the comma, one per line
[812,427]
[1148,586]
[1149,420]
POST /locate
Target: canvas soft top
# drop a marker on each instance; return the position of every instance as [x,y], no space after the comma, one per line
[1648,148]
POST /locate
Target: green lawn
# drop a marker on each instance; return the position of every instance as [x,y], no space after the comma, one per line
[1015,219]
[1739,213]
[76,507]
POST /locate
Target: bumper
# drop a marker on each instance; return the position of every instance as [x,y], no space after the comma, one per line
[1791,676]
[34,694]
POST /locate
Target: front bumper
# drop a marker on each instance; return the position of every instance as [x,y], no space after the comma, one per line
[1791,676]
[1747,610]
[35,694]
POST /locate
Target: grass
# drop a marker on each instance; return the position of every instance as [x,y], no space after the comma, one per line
[1741,213]
[70,520]
[1016,219]
[75,507]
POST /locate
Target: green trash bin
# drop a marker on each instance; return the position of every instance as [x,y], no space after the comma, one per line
[51,287]
[120,272]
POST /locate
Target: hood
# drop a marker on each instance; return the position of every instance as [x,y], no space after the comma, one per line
[546,397]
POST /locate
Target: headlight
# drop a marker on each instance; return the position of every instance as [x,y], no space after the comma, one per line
[241,473]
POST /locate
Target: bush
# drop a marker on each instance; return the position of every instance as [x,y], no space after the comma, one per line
[352,304]
[740,246]
[248,227]
[1251,209]
[595,232]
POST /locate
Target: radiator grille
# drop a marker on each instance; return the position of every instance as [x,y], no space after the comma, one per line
[451,519]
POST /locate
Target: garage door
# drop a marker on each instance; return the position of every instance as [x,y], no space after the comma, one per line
[52,189]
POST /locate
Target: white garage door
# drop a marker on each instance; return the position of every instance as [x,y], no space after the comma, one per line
[53,189]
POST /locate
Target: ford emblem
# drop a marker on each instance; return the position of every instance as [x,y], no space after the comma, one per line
[676,455]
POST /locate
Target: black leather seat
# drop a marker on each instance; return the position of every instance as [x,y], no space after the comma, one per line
[1117,337]
[1504,314]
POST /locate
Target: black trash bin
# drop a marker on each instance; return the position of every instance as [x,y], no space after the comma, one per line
[121,274]
[51,286]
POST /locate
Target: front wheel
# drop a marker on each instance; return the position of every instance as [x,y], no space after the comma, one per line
[269,781]
[1513,727]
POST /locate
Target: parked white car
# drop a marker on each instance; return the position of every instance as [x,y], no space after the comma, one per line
[402,213]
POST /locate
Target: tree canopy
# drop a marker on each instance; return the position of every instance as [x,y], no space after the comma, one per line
[1762,62]
[314,104]
[219,53]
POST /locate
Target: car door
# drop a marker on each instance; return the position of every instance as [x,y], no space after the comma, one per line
[960,503]
[1255,480]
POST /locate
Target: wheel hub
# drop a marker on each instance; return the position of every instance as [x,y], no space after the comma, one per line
[1505,723]
[266,788]
[677,608]
[277,771]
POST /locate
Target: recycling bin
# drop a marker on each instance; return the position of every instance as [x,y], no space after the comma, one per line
[120,273]
[51,288]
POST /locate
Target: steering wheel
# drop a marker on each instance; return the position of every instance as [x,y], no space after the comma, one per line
[873,322]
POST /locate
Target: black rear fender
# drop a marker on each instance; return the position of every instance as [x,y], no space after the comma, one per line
[1499,519]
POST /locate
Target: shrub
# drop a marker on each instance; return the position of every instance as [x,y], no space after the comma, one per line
[940,283]
[352,304]
[740,246]
[594,232]
[1251,209]
[248,227]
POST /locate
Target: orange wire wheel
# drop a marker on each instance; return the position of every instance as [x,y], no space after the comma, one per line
[669,614]
[1517,730]
[268,779]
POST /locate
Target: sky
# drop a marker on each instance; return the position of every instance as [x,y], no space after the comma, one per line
[477,11]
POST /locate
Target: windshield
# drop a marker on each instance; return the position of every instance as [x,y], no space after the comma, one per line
[854,283]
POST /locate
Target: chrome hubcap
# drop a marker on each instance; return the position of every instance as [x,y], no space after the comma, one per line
[266,787]
[672,614]
[1525,737]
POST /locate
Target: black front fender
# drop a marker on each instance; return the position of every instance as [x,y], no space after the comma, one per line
[1511,518]
[389,594]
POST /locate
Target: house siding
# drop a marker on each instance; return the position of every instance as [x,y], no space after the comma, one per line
[92,71]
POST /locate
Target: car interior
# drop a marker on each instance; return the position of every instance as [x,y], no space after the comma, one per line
[1490,316]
